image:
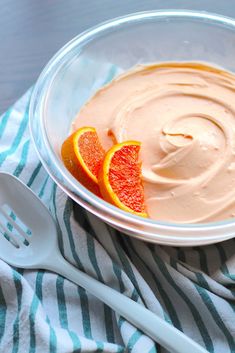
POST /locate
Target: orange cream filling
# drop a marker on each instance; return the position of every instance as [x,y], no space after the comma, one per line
[184,116]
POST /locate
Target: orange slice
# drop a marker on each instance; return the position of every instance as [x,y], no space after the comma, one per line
[120,178]
[83,156]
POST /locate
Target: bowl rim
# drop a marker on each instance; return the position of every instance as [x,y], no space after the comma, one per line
[44,82]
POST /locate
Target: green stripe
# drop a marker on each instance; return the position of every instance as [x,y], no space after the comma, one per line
[214,313]
[3,312]
[223,267]
[118,274]
[17,278]
[82,293]
[18,286]
[35,304]
[134,296]
[17,139]
[153,350]
[180,254]
[198,275]
[15,333]
[173,317]
[53,339]
[68,208]
[38,291]
[41,193]
[23,159]
[63,314]
[38,287]
[85,312]
[204,285]
[34,174]
[76,342]
[16,275]
[84,222]
[125,261]
[202,258]
[61,302]
[197,317]
[222,253]
[107,311]
[230,286]
[133,340]
[33,310]
[121,322]
[100,346]
[232,305]
[4,120]
[134,337]
[59,232]
[120,349]
[92,255]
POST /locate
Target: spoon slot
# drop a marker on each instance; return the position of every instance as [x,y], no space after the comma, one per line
[11,237]
[14,229]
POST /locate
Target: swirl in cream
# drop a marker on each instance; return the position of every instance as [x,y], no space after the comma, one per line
[184,116]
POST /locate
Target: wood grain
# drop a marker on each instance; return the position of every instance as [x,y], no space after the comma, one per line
[33,30]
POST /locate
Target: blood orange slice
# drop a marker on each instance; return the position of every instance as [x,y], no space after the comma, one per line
[120,178]
[83,156]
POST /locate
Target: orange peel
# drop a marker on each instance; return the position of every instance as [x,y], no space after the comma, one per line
[83,156]
[120,179]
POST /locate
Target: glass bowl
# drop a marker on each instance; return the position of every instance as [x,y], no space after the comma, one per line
[92,59]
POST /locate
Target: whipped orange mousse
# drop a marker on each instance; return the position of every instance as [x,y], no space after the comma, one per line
[184,116]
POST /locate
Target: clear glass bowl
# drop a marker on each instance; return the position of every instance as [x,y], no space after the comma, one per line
[76,72]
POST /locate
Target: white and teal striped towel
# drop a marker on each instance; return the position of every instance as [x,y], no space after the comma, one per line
[41,312]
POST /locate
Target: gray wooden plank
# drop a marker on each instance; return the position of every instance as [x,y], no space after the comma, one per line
[32,31]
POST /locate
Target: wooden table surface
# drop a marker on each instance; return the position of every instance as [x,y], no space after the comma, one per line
[33,30]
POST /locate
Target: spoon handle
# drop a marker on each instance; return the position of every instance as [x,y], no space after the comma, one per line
[152,325]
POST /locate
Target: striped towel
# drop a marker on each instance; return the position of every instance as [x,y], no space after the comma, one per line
[192,288]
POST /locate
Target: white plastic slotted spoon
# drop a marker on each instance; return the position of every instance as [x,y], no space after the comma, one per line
[28,239]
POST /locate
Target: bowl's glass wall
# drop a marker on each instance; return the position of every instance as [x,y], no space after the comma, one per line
[165,39]
[89,62]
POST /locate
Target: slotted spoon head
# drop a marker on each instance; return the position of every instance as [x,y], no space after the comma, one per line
[28,235]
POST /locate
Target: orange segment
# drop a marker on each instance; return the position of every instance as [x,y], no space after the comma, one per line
[83,156]
[120,178]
